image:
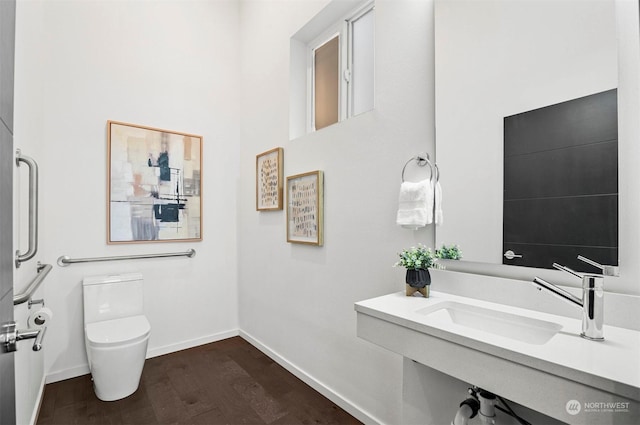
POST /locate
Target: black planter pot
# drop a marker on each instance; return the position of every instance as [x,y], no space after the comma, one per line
[418,278]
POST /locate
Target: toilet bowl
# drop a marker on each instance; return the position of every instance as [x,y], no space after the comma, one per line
[116,333]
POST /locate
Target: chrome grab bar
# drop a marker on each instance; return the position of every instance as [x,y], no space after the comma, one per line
[65,261]
[33,208]
[43,271]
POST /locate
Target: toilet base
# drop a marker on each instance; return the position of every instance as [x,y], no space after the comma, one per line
[116,372]
[109,396]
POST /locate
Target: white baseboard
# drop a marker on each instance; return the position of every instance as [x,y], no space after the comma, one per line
[69,373]
[73,372]
[160,351]
[36,408]
[336,398]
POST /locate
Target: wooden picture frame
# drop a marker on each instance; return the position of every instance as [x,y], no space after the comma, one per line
[305,208]
[154,185]
[269,177]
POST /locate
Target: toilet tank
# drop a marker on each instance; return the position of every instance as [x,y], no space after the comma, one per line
[112,297]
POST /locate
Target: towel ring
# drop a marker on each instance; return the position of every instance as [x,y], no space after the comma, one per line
[421,160]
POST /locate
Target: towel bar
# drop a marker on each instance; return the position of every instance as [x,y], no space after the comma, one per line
[422,160]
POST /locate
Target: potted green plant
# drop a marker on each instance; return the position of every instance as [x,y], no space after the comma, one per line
[417,260]
[452,252]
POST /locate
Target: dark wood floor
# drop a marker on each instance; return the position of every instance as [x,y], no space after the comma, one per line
[226,382]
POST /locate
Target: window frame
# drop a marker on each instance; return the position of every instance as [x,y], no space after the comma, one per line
[355,16]
[343,28]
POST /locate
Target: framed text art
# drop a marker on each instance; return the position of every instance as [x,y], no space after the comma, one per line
[154,185]
[305,208]
[269,180]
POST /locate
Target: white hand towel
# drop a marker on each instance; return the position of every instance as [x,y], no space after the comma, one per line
[438,216]
[415,206]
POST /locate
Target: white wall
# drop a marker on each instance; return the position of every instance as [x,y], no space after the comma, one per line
[170,65]
[297,301]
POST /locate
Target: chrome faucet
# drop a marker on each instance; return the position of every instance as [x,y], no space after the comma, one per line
[592,301]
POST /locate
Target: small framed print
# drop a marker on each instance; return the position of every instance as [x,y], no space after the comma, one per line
[269,180]
[305,208]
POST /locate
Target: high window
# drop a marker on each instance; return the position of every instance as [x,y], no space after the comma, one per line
[332,70]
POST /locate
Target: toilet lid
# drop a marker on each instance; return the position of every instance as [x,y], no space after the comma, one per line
[118,331]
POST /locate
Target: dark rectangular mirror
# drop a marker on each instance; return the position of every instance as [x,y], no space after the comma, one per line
[561,184]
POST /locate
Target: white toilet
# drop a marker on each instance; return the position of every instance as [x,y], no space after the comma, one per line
[116,333]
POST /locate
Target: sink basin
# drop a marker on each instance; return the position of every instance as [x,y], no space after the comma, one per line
[514,326]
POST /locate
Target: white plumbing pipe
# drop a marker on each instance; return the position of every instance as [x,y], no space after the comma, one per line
[487,407]
[462,415]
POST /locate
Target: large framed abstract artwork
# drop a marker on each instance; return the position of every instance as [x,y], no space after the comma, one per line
[154,185]
[305,208]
